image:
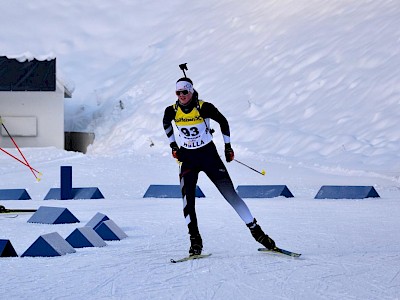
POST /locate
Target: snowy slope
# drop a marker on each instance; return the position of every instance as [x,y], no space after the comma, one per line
[302,79]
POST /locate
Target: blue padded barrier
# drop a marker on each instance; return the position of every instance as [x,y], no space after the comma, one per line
[14,194]
[66,191]
[6,249]
[85,237]
[76,193]
[346,192]
[168,191]
[47,245]
[263,191]
[96,220]
[53,215]
[109,231]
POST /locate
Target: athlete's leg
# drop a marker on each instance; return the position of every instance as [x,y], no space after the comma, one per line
[188,182]
[219,175]
[224,184]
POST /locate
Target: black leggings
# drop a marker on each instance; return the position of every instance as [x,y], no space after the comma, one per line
[206,159]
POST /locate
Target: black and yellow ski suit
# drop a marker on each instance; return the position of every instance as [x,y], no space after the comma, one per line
[198,153]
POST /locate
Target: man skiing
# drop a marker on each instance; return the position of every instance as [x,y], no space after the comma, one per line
[198,153]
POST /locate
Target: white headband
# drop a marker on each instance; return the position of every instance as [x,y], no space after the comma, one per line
[184,85]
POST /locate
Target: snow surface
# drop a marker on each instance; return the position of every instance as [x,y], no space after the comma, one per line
[311,92]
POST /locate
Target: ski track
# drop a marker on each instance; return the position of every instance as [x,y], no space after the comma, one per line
[230,272]
[349,248]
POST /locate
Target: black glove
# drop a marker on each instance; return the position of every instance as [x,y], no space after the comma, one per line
[175,150]
[229,154]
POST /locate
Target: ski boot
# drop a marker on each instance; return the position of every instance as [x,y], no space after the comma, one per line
[196,245]
[260,236]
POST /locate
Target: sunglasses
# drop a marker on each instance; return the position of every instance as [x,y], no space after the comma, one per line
[184,92]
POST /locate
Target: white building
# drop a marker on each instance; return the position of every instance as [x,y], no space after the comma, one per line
[31,103]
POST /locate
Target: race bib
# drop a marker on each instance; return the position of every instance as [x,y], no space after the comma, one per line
[192,128]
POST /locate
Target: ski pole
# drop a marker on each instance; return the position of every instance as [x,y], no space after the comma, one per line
[22,162]
[20,152]
[262,171]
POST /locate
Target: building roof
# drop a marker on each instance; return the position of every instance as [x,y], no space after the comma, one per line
[28,75]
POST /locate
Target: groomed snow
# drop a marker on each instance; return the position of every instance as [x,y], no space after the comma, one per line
[350,247]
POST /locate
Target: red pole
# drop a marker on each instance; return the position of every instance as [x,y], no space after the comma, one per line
[19,160]
[15,144]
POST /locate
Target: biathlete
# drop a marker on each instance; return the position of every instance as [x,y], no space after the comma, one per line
[198,153]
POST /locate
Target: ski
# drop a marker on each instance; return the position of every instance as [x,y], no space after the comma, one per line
[8,216]
[280,251]
[4,210]
[191,257]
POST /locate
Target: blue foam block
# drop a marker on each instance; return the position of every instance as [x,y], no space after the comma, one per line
[168,191]
[263,191]
[85,237]
[87,193]
[14,194]
[346,192]
[51,244]
[96,220]
[6,249]
[53,215]
[76,193]
[109,231]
